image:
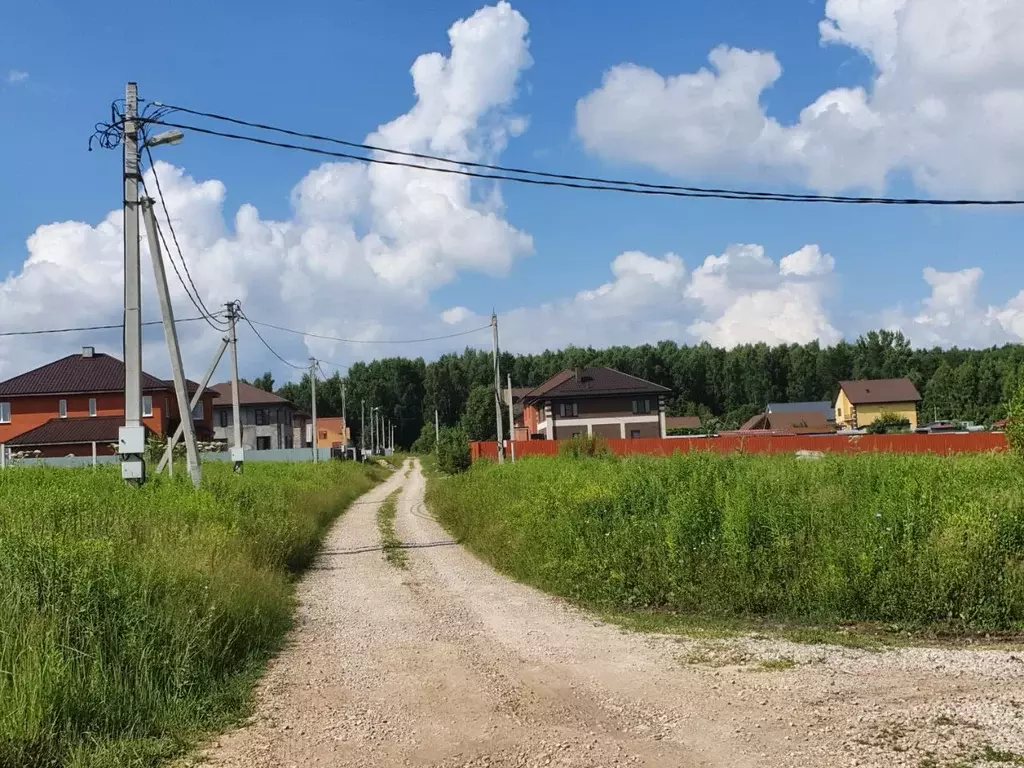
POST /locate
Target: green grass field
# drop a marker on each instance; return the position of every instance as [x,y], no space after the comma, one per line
[914,541]
[134,619]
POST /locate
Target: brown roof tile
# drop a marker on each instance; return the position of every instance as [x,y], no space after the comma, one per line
[869,391]
[594,381]
[96,429]
[247,395]
[78,374]
[682,422]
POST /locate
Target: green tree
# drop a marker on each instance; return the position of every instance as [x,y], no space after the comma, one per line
[453,451]
[478,420]
[1015,423]
[264,382]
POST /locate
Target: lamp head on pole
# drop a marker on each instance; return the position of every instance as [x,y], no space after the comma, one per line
[167,137]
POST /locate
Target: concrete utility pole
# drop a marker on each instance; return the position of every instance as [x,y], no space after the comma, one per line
[312,383]
[437,430]
[497,388]
[373,425]
[237,450]
[344,420]
[511,422]
[132,437]
[171,335]
[362,429]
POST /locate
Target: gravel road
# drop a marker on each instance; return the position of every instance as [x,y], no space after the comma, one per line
[447,663]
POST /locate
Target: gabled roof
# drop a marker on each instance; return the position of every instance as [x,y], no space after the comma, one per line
[682,422]
[96,429]
[789,423]
[594,381]
[868,391]
[822,406]
[247,395]
[80,374]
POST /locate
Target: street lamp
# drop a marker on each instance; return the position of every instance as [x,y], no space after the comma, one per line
[167,137]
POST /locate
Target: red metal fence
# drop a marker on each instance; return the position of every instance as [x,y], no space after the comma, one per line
[973,442]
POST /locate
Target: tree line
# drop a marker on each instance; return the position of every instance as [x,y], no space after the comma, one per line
[731,385]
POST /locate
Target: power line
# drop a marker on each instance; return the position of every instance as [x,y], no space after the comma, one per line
[500,173]
[197,301]
[267,345]
[92,327]
[371,341]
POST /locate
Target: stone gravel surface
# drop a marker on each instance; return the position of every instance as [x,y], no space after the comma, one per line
[447,663]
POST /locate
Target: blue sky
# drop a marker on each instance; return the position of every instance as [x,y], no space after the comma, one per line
[343,69]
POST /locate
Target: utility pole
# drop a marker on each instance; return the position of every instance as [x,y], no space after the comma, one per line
[373,427]
[132,437]
[171,335]
[362,429]
[497,388]
[312,383]
[237,450]
[437,430]
[344,419]
[511,422]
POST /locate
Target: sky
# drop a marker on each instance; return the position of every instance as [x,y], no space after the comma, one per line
[863,97]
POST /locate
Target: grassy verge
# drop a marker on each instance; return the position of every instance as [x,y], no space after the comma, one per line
[875,544]
[396,459]
[132,620]
[394,553]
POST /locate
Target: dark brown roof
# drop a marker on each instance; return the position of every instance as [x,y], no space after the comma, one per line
[594,381]
[78,374]
[247,395]
[682,422]
[789,423]
[867,391]
[96,429]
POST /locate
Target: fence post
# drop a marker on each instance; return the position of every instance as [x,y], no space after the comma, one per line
[3,455]
[94,454]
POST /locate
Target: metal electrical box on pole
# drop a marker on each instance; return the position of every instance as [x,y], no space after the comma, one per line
[131,437]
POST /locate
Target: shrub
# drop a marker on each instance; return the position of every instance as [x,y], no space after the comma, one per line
[453,450]
[426,442]
[1015,423]
[584,445]
[888,423]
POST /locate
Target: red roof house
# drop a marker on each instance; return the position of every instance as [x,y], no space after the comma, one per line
[65,406]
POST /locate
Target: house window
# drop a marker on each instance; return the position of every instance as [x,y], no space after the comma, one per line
[224,417]
[92,406]
[197,412]
[287,441]
[839,412]
[288,418]
[262,443]
[642,406]
[569,410]
[62,409]
[147,405]
[261,417]
[5,413]
[322,434]
[634,434]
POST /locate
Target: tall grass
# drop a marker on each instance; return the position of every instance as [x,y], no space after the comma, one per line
[133,618]
[917,540]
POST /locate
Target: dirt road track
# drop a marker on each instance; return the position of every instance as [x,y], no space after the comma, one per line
[449,664]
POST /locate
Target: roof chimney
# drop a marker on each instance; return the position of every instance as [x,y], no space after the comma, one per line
[88,351]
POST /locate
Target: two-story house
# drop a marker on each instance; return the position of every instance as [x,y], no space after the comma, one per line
[594,401]
[268,420]
[66,406]
[860,403]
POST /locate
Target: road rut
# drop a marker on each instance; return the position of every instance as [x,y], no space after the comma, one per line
[447,663]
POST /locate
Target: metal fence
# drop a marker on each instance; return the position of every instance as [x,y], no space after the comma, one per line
[282,454]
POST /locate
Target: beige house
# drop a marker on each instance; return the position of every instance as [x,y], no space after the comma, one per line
[860,403]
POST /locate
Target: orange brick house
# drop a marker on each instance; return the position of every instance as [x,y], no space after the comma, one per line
[62,408]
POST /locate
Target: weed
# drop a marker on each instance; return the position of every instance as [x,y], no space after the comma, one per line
[901,542]
[134,619]
[992,755]
[777,665]
[394,553]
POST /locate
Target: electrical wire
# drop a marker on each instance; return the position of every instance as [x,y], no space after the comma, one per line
[197,300]
[371,341]
[267,345]
[501,173]
[92,327]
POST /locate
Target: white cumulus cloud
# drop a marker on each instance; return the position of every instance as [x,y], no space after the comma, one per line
[16,76]
[944,105]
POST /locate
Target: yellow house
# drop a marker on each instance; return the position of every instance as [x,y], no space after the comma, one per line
[860,403]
